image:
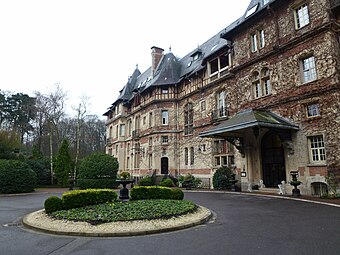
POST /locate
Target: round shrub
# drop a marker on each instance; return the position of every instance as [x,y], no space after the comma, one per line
[146,181]
[177,194]
[99,168]
[16,177]
[221,178]
[53,204]
[167,183]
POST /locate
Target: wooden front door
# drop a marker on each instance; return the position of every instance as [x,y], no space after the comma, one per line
[164,165]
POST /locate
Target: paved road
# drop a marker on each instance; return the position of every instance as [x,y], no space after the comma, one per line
[244,225]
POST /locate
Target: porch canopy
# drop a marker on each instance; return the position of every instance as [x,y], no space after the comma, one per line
[235,126]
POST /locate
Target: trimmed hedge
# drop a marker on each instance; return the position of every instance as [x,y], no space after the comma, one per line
[80,198]
[16,177]
[155,192]
[53,204]
[96,183]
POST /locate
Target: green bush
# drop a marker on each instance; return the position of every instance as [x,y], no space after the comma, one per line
[80,198]
[97,183]
[177,194]
[98,166]
[41,167]
[189,178]
[167,183]
[16,177]
[146,181]
[53,204]
[221,178]
[155,192]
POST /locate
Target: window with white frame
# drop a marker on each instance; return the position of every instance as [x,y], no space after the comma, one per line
[218,65]
[165,117]
[301,16]
[261,83]
[317,149]
[203,108]
[221,108]
[313,110]
[253,40]
[150,161]
[262,39]
[165,91]
[308,69]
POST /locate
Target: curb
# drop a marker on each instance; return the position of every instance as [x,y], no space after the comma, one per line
[266,195]
[31,224]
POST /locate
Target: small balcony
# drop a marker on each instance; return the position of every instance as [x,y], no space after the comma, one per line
[220,113]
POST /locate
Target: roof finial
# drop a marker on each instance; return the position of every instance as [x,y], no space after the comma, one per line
[170,48]
[136,66]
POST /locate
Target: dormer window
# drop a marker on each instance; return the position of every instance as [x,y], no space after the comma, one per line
[217,66]
[251,11]
[195,56]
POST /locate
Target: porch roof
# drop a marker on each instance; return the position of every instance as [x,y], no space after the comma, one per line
[246,119]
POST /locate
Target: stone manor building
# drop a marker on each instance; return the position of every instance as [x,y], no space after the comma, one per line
[261,96]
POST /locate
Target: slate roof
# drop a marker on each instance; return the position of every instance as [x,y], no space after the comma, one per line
[247,119]
[172,70]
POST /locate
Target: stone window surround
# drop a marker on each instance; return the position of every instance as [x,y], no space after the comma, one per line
[295,9]
[319,162]
[260,82]
[301,60]
[257,40]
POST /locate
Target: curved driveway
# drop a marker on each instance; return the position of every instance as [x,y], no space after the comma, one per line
[243,225]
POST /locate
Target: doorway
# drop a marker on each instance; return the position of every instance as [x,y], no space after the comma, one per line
[164,165]
[273,161]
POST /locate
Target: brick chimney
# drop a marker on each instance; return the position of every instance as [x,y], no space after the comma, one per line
[156,56]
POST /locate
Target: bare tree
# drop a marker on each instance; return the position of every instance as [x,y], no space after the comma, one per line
[81,110]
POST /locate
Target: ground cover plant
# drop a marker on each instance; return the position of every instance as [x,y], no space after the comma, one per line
[127,211]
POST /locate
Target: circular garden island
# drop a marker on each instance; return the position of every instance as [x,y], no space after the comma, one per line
[97,212]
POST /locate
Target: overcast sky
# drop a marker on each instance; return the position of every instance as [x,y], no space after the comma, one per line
[90,47]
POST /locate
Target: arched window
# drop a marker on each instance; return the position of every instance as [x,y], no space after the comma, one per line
[261,83]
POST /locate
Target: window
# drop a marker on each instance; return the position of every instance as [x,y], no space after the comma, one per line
[150,161]
[261,83]
[262,41]
[165,91]
[265,2]
[144,120]
[301,16]
[217,67]
[165,117]
[313,110]
[221,104]
[186,156]
[317,149]
[257,40]
[251,11]
[203,108]
[308,69]
[122,130]
[165,139]
[150,119]
[192,155]
[188,119]
[150,141]
[128,162]
[110,132]
[253,38]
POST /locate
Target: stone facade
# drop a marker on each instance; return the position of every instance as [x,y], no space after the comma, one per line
[282,58]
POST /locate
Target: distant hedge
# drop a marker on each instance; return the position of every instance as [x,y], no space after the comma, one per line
[16,177]
[97,183]
[155,192]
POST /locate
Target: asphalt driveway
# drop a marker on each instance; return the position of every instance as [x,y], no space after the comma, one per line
[243,225]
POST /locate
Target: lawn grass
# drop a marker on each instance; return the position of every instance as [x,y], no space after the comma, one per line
[127,211]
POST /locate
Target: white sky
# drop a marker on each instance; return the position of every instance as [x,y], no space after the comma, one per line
[90,47]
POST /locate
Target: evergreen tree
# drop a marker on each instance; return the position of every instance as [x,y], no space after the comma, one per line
[63,165]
